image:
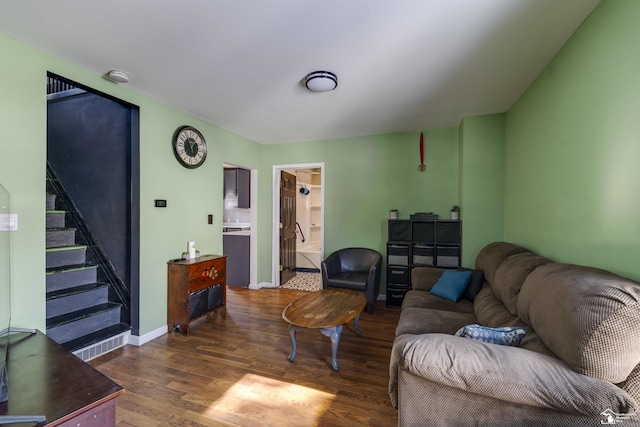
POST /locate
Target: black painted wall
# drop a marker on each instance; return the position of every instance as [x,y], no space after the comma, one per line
[89,147]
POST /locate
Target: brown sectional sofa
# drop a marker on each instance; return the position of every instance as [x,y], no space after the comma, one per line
[578,364]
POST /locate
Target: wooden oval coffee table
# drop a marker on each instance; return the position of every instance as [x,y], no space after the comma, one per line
[326,310]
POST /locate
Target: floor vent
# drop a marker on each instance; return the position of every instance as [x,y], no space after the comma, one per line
[103,347]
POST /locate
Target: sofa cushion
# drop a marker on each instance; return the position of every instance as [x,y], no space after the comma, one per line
[491,312]
[424,321]
[492,255]
[421,299]
[589,318]
[510,276]
[423,278]
[451,285]
[510,374]
[508,335]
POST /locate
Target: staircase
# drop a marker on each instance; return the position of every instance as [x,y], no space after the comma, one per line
[85,314]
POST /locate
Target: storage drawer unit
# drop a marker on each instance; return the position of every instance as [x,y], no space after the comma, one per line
[422,255]
[397,254]
[399,230]
[423,231]
[448,256]
[449,232]
[398,277]
[419,242]
[395,296]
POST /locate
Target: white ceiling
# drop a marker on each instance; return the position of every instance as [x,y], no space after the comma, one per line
[402,65]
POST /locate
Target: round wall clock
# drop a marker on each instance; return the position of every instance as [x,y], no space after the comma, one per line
[189,147]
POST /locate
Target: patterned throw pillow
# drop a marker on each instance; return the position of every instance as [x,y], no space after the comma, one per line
[503,336]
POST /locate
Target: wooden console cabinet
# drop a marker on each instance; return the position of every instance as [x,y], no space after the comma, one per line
[46,379]
[195,287]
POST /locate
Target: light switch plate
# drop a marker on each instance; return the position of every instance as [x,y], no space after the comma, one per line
[8,222]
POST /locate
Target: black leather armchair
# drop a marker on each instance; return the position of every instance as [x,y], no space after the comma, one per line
[354,268]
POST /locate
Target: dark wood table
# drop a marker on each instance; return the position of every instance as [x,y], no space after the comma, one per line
[46,379]
[326,310]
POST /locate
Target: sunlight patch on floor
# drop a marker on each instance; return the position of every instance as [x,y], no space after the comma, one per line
[267,401]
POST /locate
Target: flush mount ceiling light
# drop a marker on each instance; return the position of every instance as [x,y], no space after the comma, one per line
[118,76]
[321,81]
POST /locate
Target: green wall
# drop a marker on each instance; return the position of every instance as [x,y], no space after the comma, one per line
[481,183]
[191,194]
[365,177]
[572,148]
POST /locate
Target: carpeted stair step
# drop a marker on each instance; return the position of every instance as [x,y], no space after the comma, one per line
[66,255]
[96,337]
[70,276]
[51,202]
[57,237]
[74,325]
[77,298]
[55,219]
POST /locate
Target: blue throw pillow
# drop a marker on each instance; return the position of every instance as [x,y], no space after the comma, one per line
[451,284]
[503,336]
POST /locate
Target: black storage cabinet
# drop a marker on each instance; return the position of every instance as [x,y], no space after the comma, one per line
[419,243]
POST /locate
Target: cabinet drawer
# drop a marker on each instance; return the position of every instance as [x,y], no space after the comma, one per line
[217,276]
[398,276]
[449,232]
[422,255]
[423,231]
[395,297]
[399,230]
[398,254]
[206,274]
[447,256]
[206,269]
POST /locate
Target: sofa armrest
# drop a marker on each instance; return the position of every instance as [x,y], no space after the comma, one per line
[510,374]
[423,278]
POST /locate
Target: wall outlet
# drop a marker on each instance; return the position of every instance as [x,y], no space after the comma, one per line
[8,222]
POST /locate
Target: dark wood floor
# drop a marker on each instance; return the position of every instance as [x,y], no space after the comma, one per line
[234,371]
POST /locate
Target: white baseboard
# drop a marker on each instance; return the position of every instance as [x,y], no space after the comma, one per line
[140,340]
[261,285]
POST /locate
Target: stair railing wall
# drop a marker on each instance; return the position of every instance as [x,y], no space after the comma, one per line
[117,288]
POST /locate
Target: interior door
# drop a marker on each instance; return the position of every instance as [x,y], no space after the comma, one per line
[287,227]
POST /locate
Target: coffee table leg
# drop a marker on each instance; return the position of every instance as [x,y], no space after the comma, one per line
[292,334]
[355,325]
[333,333]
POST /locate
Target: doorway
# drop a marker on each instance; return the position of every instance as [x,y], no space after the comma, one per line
[86,131]
[240,225]
[308,221]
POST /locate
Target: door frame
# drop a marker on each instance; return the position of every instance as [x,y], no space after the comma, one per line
[253,232]
[275,225]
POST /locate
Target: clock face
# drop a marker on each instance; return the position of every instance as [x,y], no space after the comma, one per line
[189,147]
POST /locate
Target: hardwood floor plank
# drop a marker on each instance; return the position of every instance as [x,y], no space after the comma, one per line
[234,371]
